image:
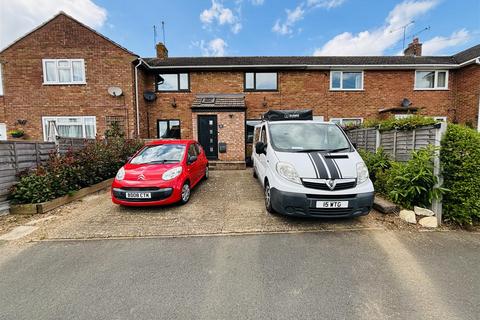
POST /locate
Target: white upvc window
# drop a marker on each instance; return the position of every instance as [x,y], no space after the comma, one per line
[347,121]
[431,80]
[346,80]
[1,81]
[63,71]
[70,127]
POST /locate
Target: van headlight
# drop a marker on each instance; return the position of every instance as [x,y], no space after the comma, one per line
[287,171]
[120,174]
[362,172]
[172,173]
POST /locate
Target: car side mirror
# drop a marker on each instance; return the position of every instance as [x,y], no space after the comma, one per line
[192,159]
[260,147]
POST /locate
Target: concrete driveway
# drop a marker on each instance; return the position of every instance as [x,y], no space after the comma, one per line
[229,202]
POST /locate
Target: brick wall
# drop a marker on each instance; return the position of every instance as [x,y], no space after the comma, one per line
[25,97]
[467,95]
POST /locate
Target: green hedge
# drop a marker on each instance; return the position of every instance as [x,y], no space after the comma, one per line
[408,123]
[62,175]
[460,159]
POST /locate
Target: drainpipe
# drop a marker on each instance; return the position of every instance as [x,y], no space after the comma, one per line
[140,61]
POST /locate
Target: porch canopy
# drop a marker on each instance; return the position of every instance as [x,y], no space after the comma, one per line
[219,103]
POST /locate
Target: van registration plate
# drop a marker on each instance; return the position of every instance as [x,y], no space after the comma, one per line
[332,204]
[138,195]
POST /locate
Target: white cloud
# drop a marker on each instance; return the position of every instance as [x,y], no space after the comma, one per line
[436,45]
[293,16]
[376,41]
[257,2]
[221,15]
[297,14]
[214,48]
[21,16]
[328,4]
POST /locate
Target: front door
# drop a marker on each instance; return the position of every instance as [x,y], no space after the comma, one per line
[208,135]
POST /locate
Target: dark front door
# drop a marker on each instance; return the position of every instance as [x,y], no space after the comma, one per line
[208,135]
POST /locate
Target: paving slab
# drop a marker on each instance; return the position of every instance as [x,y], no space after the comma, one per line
[18,232]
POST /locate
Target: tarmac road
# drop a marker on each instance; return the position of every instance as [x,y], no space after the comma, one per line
[322,275]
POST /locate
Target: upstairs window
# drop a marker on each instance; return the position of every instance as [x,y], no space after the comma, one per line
[346,80]
[261,81]
[173,82]
[63,71]
[346,122]
[431,80]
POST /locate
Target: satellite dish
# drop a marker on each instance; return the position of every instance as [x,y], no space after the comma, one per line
[406,103]
[115,91]
[149,96]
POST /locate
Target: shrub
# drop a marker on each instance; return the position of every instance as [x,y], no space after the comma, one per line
[460,159]
[407,123]
[62,175]
[413,182]
[376,162]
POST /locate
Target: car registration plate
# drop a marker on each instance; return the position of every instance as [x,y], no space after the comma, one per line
[332,204]
[138,195]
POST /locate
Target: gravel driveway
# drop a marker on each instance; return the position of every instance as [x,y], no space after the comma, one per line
[229,202]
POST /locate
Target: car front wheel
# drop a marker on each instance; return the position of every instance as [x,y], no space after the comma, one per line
[185,195]
[268,198]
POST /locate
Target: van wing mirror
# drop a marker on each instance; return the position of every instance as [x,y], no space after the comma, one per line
[354,144]
[260,147]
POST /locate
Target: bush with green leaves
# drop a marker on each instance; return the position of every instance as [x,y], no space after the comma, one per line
[460,159]
[61,175]
[407,123]
[376,162]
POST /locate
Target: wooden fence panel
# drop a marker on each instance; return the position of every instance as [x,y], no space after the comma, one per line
[364,138]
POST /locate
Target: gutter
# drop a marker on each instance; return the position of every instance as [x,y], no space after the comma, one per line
[140,61]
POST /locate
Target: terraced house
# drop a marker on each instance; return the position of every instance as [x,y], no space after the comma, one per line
[59,76]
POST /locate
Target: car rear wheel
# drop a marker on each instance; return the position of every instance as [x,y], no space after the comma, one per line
[185,195]
[268,198]
[206,175]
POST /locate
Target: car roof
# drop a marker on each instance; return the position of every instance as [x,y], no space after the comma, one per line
[170,141]
[295,121]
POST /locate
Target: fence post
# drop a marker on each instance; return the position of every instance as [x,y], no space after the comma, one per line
[15,156]
[395,145]
[437,203]
[414,142]
[37,153]
[378,139]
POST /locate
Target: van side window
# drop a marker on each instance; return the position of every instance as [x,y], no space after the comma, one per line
[263,136]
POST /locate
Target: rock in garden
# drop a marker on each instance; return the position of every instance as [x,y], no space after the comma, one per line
[423,212]
[408,215]
[428,222]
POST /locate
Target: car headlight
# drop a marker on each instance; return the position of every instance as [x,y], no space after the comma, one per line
[172,173]
[362,172]
[287,171]
[120,174]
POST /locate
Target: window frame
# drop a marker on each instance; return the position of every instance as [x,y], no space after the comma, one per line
[362,72]
[57,82]
[169,127]
[435,80]
[178,82]
[346,118]
[84,136]
[1,80]
[255,82]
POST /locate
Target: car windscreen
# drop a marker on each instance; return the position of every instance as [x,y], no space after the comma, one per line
[302,137]
[162,153]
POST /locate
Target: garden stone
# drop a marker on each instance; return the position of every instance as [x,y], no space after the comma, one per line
[408,216]
[428,222]
[423,212]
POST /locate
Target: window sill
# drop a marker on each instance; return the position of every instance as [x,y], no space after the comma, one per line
[431,89]
[173,91]
[64,83]
[347,90]
[266,90]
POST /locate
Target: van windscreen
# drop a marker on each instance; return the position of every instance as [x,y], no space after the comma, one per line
[302,137]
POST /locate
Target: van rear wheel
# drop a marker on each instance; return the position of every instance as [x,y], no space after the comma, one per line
[268,198]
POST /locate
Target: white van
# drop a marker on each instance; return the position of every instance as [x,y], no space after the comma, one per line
[309,168]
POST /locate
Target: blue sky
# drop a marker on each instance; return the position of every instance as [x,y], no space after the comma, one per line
[268,27]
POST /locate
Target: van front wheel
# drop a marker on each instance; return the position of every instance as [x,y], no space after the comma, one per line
[268,198]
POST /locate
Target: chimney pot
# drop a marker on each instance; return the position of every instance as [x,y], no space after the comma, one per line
[414,48]
[162,51]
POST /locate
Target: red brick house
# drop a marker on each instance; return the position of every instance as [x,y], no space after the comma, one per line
[217,99]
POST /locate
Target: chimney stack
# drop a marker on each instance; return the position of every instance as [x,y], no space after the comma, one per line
[162,51]
[414,49]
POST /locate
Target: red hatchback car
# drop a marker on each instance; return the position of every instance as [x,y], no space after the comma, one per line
[162,172]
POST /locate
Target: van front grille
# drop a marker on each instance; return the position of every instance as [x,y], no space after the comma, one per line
[321,184]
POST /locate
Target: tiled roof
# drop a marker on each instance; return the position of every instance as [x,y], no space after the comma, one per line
[219,101]
[469,54]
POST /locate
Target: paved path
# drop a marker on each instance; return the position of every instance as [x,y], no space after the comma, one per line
[229,202]
[323,275]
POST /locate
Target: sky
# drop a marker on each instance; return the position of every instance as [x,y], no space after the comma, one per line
[262,27]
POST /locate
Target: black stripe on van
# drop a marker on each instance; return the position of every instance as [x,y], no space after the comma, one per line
[332,168]
[322,170]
